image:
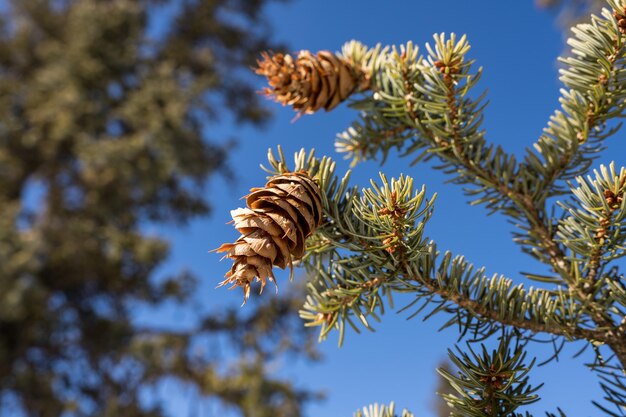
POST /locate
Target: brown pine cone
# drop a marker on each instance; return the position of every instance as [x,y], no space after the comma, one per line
[310,82]
[273,229]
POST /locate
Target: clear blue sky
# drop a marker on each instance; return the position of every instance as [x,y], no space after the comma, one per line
[518,46]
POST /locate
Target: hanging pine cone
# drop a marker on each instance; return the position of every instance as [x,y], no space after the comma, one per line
[273,229]
[310,82]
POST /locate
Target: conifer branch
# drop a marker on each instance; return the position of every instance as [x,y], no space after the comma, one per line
[381,410]
[481,306]
[492,383]
[478,308]
[371,244]
[594,77]
[487,383]
[429,100]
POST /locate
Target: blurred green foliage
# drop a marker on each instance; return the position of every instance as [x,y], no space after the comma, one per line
[571,12]
[105,110]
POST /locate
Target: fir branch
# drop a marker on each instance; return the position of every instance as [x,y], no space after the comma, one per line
[495,173]
[477,307]
[490,384]
[372,242]
[381,410]
[510,185]
[371,245]
[481,305]
[594,76]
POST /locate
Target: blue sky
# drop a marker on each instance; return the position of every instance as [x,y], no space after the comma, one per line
[517,45]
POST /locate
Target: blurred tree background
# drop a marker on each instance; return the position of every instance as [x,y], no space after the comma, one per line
[106,109]
[571,12]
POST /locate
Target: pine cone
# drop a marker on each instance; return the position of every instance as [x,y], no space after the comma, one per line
[310,82]
[273,229]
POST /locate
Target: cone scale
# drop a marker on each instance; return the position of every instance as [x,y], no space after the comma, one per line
[274,226]
[310,82]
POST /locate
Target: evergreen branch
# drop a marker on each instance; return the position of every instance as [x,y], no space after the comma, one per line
[381,410]
[371,245]
[479,305]
[496,174]
[482,305]
[466,306]
[490,383]
[561,413]
[429,98]
[594,76]
[614,387]
[370,135]
[444,138]
[433,94]
[596,231]
[383,124]
[354,255]
[487,384]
